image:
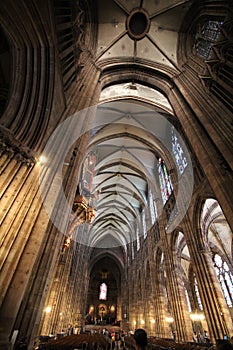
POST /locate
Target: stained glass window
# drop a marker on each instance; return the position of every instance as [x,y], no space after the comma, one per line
[138,239]
[197,294]
[103,291]
[88,172]
[178,152]
[164,181]
[225,278]
[206,35]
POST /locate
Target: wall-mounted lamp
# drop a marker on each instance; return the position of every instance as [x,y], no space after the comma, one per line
[112,308]
[48,309]
[195,316]
[91,309]
[42,160]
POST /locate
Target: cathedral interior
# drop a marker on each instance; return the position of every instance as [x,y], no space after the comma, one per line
[116,167]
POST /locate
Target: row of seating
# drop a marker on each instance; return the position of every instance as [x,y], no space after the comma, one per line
[77,341]
[155,343]
[98,341]
[171,344]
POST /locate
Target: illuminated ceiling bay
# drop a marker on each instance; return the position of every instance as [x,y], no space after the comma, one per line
[127,138]
[137,91]
[143,30]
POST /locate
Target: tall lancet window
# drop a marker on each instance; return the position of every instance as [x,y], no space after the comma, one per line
[197,294]
[225,277]
[88,173]
[164,181]
[144,228]
[132,250]
[178,152]
[103,291]
[188,300]
[153,209]
[138,239]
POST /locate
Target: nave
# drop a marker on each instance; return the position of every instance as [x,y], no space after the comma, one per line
[116,169]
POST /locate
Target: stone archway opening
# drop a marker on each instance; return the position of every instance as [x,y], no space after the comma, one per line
[104,293]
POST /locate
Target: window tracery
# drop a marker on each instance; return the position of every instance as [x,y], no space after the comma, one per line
[178,152]
[207,34]
[144,224]
[198,298]
[164,181]
[225,278]
[153,210]
[88,172]
[70,22]
[103,291]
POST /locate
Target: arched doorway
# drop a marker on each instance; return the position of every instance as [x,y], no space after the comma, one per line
[104,292]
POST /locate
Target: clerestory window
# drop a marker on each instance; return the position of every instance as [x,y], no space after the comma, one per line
[164,181]
[197,294]
[206,35]
[225,278]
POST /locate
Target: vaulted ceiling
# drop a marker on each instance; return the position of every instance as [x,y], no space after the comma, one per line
[134,130]
[140,29]
[128,142]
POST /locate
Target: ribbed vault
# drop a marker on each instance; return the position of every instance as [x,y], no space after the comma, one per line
[147,30]
[127,148]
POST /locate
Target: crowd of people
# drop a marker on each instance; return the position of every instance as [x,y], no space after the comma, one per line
[119,339]
[201,337]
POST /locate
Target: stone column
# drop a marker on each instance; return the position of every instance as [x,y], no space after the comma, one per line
[124,301]
[57,294]
[20,209]
[196,118]
[132,298]
[32,257]
[182,322]
[216,311]
[157,300]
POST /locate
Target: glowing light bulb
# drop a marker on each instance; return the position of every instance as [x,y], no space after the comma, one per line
[42,159]
[48,309]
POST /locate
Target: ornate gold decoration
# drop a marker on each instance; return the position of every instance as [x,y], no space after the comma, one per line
[81,213]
